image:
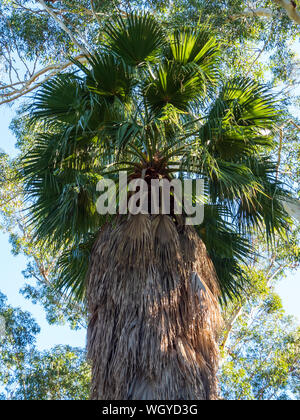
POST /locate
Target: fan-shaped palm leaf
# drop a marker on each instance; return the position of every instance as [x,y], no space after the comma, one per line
[63,98]
[136,38]
[172,85]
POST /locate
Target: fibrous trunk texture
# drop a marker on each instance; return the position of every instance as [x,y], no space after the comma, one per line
[153,300]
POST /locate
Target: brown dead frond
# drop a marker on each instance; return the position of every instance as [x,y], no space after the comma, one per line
[153,298]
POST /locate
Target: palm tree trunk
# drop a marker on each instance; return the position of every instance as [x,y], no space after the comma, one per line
[153,300]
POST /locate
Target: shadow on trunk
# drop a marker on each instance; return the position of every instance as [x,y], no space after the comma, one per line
[153,302]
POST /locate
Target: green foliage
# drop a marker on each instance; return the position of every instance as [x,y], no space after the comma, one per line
[135,39]
[35,37]
[227,249]
[40,273]
[261,361]
[28,374]
[73,265]
[260,344]
[73,106]
[250,46]
[122,111]
[57,374]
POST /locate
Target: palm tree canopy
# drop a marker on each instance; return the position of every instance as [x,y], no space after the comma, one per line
[146,95]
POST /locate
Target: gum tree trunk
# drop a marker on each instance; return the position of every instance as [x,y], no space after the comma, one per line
[153,301]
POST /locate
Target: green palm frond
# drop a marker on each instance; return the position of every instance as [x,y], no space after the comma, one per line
[193,45]
[171,85]
[228,250]
[61,188]
[199,49]
[235,142]
[243,112]
[64,208]
[228,181]
[145,100]
[136,38]
[72,267]
[63,98]
[265,210]
[247,103]
[231,181]
[109,76]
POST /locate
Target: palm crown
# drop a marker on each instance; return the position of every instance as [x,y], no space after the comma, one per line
[151,100]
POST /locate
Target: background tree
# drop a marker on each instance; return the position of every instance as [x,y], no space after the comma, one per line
[37,38]
[261,357]
[40,274]
[28,374]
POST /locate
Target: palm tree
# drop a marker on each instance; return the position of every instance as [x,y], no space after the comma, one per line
[159,106]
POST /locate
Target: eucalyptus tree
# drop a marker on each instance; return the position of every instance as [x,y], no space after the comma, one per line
[261,360]
[157,105]
[60,373]
[37,37]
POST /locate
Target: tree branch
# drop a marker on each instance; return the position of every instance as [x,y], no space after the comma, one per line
[290,9]
[30,85]
[261,12]
[281,136]
[238,310]
[288,5]
[63,26]
[231,322]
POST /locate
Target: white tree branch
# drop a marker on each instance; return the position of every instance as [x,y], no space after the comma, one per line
[290,9]
[261,12]
[63,26]
[31,84]
[288,5]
